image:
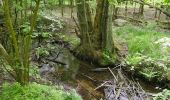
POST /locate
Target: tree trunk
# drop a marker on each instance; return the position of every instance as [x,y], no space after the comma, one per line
[95,36]
[126,8]
[141,9]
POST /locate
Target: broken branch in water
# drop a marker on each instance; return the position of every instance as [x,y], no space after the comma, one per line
[103,84]
[124,89]
[91,79]
[56,61]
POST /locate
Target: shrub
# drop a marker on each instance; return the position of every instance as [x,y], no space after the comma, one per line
[164,95]
[35,91]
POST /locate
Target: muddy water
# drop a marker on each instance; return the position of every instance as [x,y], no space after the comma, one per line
[79,75]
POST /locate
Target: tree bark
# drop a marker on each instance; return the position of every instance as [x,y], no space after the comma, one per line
[95,36]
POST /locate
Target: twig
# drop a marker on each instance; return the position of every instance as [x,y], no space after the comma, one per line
[76,23]
[100,86]
[56,61]
[104,69]
[58,53]
[99,69]
[119,91]
[90,78]
[113,74]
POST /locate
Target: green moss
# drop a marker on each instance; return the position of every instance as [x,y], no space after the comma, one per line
[35,91]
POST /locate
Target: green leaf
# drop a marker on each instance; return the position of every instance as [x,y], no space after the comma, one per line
[113,2]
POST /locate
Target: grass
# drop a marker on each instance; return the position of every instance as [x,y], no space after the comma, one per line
[144,55]
[141,40]
[35,91]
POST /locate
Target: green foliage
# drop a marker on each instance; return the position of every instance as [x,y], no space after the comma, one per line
[42,35]
[149,74]
[41,51]
[34,71]
[167,1]
[113,2]
[71,39]
[164,95]
[141,41]
[18,56]
[133,60]
[52,2]
[25,27]
[35,91]
[108,57]
[145,56]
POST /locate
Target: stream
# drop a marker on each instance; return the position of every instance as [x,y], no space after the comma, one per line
[80,75]
[61,67]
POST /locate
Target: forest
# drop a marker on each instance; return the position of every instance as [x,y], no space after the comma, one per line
[84,49]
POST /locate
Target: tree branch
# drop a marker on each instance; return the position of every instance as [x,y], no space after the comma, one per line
[144,3]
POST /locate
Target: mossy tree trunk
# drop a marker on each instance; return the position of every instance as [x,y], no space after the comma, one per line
[18,57]
[96,35]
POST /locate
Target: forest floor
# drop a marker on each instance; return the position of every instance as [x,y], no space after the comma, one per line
[54,63]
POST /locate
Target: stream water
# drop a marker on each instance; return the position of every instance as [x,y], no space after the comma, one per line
[80,76]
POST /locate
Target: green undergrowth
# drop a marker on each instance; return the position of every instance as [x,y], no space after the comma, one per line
[35,91]
[108,58]
[72,39]
[164,95]
[145,55]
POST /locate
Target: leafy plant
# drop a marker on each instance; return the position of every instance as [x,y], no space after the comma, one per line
[34,71]
[149,74]
[42,35]
[107,57]
[41,51]
[164,95]
[133,60]
[36,91]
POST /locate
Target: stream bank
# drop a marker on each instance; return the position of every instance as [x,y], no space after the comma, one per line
[61,67]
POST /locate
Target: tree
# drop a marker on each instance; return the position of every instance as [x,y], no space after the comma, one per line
[18,57]
[96,33]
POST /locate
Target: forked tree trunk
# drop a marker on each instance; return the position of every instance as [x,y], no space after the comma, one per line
[95,36]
